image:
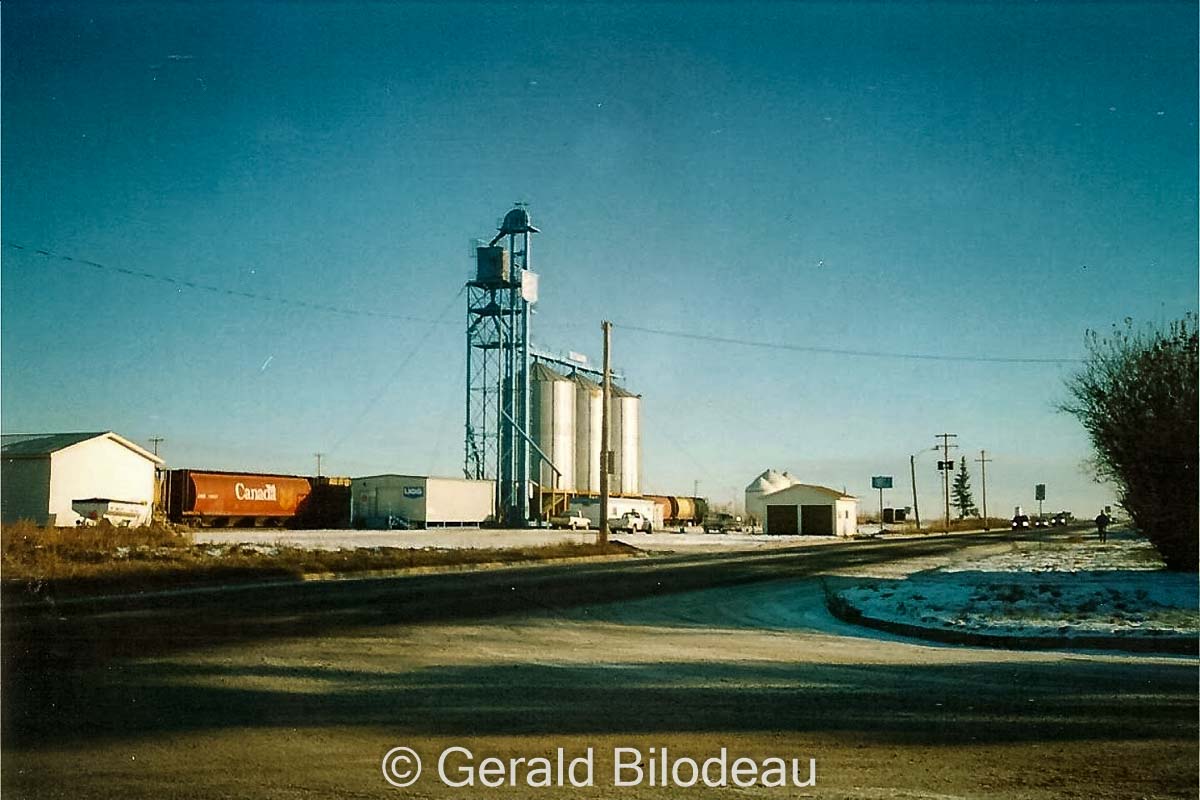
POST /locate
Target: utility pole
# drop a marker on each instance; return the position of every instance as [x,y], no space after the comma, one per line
[605,455]
[912,468]
[318,455]
[946,469]
[156,441]
[983,462]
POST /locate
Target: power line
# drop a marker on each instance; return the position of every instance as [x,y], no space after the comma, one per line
[353,421]
[701,337]
[206,287]
[688,335]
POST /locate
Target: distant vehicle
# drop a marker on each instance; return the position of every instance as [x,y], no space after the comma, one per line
[1020,521]
[1041,522]
[633,521]
[722,523]
[575,520]
[1062,518]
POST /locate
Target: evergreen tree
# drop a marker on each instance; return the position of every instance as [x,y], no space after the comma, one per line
[961,491]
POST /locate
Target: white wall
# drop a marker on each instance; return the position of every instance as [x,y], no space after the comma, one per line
[98,467]
[804,495]
[847,517]
[457,500]
[442,500]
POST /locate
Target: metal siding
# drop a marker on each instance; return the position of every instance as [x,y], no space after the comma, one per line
[563,438]
[455,501]
[847,517]
[631,445]
[616,441]
[781,520]
[99,467]
[216,495]
[553,427]
[588,406]
[817,519]
[378,497]
[25,490]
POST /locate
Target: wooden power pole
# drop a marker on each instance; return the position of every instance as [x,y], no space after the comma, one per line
[983,462]
[946,469]
[605,453]
[912,468]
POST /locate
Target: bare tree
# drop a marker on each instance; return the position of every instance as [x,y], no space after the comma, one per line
[1136,397]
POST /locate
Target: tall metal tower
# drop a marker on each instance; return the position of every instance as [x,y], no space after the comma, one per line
[498,304]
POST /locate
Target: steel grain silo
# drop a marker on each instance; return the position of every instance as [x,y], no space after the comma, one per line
[552,426]
[626,412]
[588,410]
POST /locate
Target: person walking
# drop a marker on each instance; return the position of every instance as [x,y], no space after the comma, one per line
[1102,521]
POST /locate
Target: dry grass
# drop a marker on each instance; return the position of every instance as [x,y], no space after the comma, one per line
[938,524]
[107,559]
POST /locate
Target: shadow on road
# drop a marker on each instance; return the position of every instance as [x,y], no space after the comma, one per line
[931,704]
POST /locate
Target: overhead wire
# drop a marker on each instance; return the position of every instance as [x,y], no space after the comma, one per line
[675,334]
[801,348]
[206,287]
[355,420]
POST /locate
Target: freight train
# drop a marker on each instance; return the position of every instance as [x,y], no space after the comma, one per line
[243,499]
[680,510]
[213,498]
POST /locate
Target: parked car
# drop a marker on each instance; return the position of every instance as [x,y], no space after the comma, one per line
[631,522]
[1020,521]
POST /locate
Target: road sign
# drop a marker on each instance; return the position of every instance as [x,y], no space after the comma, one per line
[946,465]
[1039,492]
[881,482]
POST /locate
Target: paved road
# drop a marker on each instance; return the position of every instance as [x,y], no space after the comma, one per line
[134,625]
[297,691]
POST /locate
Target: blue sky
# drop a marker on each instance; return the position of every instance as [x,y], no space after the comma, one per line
[949,179]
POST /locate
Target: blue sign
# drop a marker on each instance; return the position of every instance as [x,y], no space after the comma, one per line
[881,482]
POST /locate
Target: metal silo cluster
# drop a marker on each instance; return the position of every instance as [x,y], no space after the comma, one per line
[566,414]
[534,429]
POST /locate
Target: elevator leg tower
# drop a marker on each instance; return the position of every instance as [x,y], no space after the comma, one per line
[498,391]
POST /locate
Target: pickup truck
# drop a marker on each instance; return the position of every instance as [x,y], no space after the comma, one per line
[574,520]
[632,521]
[722,523]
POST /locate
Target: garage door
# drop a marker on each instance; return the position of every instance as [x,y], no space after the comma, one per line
[816,520]
[781,521]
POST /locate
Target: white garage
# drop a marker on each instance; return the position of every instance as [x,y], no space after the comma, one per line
[50,478]
[787,507]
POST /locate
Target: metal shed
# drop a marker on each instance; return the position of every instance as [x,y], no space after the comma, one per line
[46,474]
[418,501]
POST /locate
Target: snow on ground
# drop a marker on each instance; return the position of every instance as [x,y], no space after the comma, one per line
[452,538]
[1065,586]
